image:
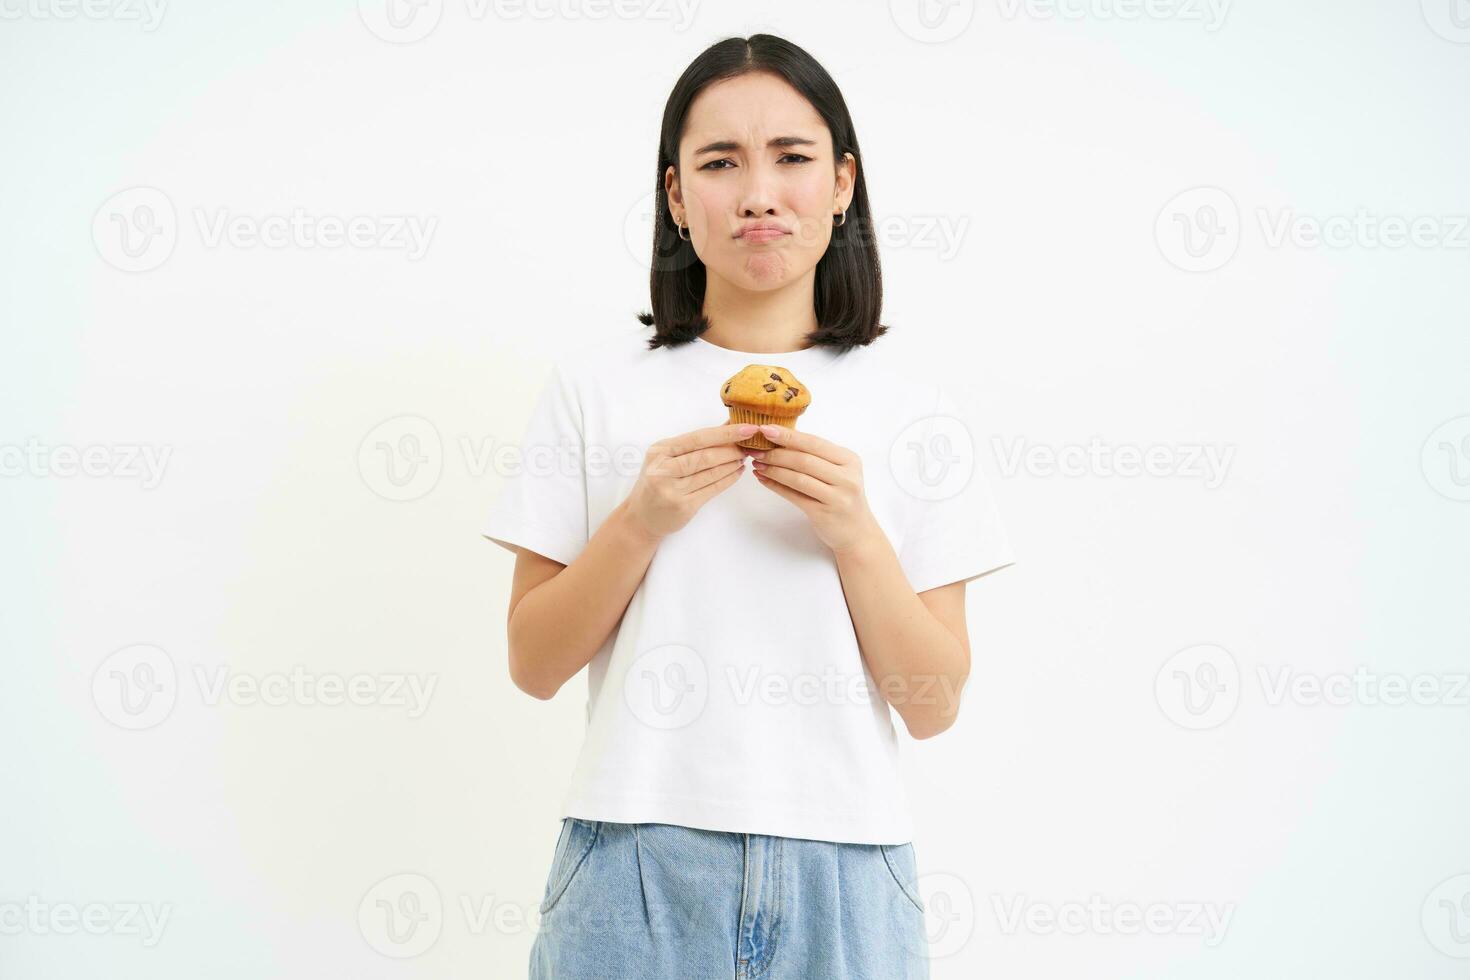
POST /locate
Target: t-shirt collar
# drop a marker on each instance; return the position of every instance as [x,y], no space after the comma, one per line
[814,358]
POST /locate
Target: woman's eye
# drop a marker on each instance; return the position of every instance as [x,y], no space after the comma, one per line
[797,157]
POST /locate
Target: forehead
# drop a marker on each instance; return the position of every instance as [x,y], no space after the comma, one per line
[756,103]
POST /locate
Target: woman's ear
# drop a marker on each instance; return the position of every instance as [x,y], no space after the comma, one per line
[671,188]
[846,181]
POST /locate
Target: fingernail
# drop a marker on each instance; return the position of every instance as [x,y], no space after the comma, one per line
[771,430]
[748,428]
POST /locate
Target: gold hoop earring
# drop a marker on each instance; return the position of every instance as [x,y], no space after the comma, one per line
[843,216]
[682,237]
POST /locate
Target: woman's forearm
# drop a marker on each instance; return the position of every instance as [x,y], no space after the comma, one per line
[917,663]
[558,626]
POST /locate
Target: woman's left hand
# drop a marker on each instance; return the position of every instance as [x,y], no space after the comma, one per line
[822,478]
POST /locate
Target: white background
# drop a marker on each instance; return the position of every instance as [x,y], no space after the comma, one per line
[1051,145]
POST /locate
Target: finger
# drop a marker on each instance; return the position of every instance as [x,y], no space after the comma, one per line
[799,499]
[702,459]
[719,486]
[712,435]
[804,462]
[806,485]
[702,479]
[806,442]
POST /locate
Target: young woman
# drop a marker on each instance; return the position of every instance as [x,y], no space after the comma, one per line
[738,809]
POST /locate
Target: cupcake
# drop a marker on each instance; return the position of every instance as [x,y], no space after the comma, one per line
[764,394]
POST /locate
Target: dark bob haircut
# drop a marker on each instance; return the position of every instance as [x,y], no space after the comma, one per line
[848,292]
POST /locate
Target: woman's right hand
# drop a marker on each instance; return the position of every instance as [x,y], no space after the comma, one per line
[681,473]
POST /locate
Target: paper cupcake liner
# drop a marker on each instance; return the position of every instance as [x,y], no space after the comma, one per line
[739,416]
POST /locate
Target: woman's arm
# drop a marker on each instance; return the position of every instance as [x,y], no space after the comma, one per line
[916,646]
[560,615]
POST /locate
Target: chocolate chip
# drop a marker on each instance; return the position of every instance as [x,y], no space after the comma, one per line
[776,377]
[726,391]
[789,394]
[769,387]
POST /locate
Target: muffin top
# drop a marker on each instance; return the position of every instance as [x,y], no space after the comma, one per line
[766,388]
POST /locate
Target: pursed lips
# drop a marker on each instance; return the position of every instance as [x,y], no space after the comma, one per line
[758,235]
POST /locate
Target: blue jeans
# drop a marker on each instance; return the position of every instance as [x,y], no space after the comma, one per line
[654,901]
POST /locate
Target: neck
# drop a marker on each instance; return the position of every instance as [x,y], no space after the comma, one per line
[766,321]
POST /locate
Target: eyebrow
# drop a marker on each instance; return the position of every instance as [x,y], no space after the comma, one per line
[725,146]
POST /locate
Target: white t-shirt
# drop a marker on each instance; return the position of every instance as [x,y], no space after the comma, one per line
[732,695]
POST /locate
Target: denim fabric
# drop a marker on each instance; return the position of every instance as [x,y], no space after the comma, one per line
[653,901]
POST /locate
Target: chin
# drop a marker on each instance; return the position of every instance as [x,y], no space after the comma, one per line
[769,270]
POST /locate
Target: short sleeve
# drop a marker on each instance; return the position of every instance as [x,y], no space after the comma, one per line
[953,532]
[542,505]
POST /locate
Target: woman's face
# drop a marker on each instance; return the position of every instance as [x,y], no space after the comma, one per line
[755,152]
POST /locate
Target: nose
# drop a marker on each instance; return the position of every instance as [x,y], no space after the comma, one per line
[757,198]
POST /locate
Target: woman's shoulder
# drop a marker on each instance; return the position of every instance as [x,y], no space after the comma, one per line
[602,357]
[901,369]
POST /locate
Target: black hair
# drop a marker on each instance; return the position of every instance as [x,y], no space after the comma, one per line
[848,292]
